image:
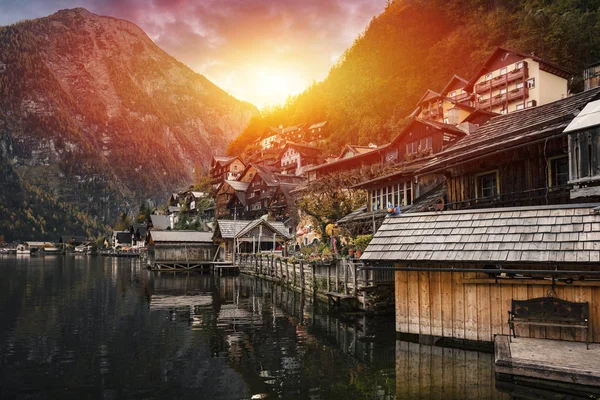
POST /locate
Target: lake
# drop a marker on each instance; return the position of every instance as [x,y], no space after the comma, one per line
[95,327]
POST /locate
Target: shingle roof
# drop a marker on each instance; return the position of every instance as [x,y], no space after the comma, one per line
[307,151]
[568,234]
[516,127]
[160,221]
[181,236]
[238,186]
[279,227]
[230,228]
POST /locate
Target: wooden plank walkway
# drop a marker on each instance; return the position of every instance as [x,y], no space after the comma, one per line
[554,360]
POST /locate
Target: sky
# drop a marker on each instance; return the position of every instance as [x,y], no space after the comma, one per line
[260,51]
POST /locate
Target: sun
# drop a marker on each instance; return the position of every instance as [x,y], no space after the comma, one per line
[274,86]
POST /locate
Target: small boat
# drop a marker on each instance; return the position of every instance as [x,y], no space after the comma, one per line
[23,249]
[52,250]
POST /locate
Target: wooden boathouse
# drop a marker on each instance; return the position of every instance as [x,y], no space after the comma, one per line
[458,271]
[250,237]
[173,250]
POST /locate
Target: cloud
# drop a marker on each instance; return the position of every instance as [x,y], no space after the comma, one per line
[228,39]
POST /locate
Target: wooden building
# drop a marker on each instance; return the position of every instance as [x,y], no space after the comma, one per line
[250,237]
[511,81]
[518,159]
[181,249]
[226,191]
[433,300]
[375,156]
[282,206]
[513,226]
[224,168]
[294,158]
[262,188]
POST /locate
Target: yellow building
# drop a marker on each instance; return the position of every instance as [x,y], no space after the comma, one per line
[511,81]
[508,81]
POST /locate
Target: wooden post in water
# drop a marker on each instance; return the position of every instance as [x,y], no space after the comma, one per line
[337,276]
[302,275]
[287,271]
[314,283]
[294,272]
[345,277]
[329,278]
[354,278]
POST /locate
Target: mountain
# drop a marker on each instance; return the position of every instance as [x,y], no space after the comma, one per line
[415,45]
[96,117]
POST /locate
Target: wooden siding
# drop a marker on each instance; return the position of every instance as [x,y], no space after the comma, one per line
[448,304]
[184,252]
[523,177]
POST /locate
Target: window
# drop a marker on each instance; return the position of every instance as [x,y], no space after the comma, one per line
[519,65]
[412,147]
[503,71]
[489,76]
[504,111]
[531,83]
[520,106]
[520,85]
[486,184]
[559,171]
[531,103]
[426,143]
[446,120]
[453,94]
[503,91]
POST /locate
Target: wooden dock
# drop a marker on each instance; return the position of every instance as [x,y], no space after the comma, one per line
[169,265]
[553,360]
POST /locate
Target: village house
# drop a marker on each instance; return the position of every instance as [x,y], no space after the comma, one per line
[250,237]
[294,158]
[515,189]
[225,193]
[120,239]
[508,81]
[138,235]
[372,155]
[282,206]
[261,189]
[316,132]
[511,81]
[413,148]
[223,168]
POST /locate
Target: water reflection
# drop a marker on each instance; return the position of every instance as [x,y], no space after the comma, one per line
[101,327]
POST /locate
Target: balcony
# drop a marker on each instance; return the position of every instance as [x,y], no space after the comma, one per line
[503,80]
[484,103]
[463,98]
[498,100]
[518,94]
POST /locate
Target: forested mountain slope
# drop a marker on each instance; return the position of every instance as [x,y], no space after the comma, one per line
[98,118]
[415,45]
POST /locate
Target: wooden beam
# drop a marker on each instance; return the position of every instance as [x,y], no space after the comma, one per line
[539,282]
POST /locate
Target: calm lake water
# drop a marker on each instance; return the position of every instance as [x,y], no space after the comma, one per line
[92,327]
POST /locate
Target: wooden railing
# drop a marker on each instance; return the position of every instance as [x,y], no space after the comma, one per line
[341,276]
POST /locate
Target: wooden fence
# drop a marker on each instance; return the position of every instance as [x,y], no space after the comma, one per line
[343,277]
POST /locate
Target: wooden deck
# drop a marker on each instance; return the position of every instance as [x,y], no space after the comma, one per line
[168,265]
[554,360]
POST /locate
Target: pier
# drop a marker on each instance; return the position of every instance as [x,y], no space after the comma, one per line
[340,282]
[554,360]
